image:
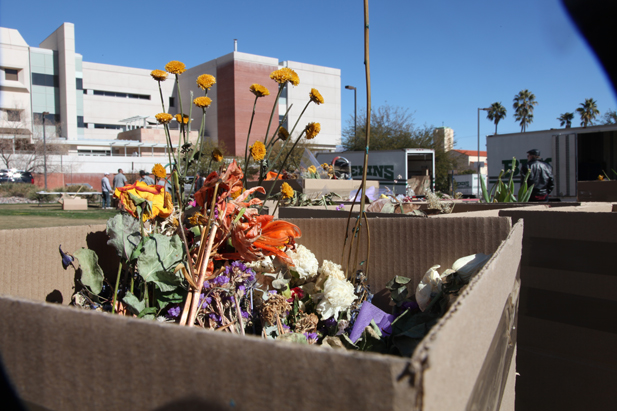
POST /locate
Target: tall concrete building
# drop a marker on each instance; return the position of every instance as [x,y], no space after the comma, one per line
[104,114]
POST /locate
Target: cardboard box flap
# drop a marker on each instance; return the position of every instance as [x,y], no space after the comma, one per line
[110,362]
[452,356]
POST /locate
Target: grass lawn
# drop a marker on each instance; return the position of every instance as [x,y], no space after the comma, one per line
[14,216]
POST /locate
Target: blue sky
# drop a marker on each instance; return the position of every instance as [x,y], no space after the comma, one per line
[440,59]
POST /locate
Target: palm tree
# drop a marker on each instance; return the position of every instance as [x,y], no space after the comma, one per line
[566,118]
[588,111]
[495,113]
[523,105]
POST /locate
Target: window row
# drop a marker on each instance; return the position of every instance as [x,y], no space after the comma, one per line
[121,95]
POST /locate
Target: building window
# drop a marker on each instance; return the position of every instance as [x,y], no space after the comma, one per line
[11,74]
[120,94]
[80,122]
[13,115]
[47,80]
[50,119]
[109,126]
[79,83]
[172,102]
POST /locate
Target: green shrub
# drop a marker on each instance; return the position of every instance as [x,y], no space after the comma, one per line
[23,190]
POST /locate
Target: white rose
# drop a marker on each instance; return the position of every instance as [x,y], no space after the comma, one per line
[327,270]
[338,296]
[305,262]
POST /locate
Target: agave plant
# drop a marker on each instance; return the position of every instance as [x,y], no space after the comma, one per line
[504,193]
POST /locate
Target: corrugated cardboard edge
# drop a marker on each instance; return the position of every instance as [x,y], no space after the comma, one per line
[441,361]
[63,358]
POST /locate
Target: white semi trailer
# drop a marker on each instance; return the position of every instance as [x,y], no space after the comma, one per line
[576,154]
[413,165]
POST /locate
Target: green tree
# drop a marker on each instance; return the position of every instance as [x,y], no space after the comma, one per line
[588,112]
[610,117]
[523,105]
[566,119]
[496,113]
[393,128]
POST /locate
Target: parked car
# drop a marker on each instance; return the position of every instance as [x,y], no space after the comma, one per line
[12,175]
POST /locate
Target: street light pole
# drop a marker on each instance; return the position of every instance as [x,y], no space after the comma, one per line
[45,149]
[478,159]
[355,111]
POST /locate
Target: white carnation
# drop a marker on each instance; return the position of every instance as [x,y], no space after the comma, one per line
[327,270]
[338,296]
[264,265]
[306,264]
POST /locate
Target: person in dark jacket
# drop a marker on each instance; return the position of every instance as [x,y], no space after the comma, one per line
[540,175]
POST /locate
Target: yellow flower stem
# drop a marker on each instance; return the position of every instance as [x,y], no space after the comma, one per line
[162,100]
[113,303]
[170,148]
[279,172]
[246,147]
[276,102]
[275,137]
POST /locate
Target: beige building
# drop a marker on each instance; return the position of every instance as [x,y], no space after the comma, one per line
[468,160]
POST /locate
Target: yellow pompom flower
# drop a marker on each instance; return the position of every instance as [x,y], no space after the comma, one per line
[182,119]
[175,67]
[283,133]
[312,169]
[600,177]
[316,97]
[159,171]
[217,155]
[163,118]
[287,191]
[259,90]
[312,129]
[205,81]
[258,151]
[202,102]
[158,75]
[284,75]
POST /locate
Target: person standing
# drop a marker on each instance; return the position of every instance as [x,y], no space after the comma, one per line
[119,179]
[199,182]
[106,190]
[146,178]
[540,175]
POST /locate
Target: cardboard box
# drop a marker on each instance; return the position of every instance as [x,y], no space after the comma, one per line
[567,332]
[597,190]
[75,204]
[63,358]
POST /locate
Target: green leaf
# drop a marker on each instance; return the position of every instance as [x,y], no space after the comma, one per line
[157,262]
[485,194]
[148,313]
[163,299]
[133,304]
[91,273]
[196,231]
[124,234]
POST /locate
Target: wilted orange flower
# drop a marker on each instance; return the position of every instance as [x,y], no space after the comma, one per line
[287,191]
[202,101]
[159,171]
[161,201]
[258,151]
[205,81]
[163,118]
[284,75]
[182,119]
[283,133]
[217,155]
[159,75]
[312,129]
[175,67]
[316,97]
[259,90]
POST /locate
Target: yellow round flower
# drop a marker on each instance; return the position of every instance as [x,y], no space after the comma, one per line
[202,102]
[217,155]
[163,118]
[312,129]
[284,75]
[182,119]
[600,177]
[312,170]
[258,151]
[205,81]
[159,171]
[283,133]
[316,97]
[159,75]
[175,67]
[287,191]
[259,90]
